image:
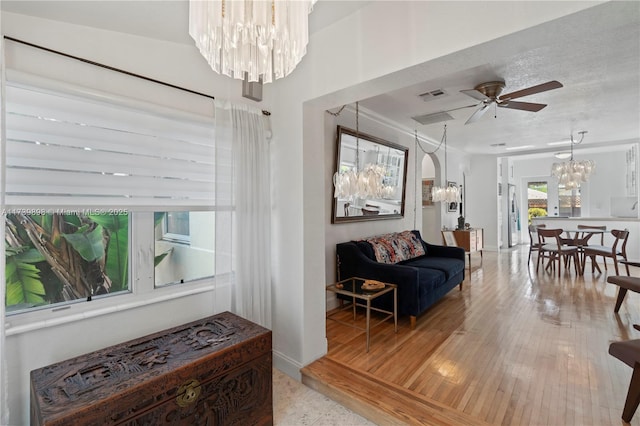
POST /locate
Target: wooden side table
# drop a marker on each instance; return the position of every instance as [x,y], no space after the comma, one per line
[352,287]
[471,240]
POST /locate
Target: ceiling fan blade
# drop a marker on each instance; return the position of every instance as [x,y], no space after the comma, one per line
[525,106]
[549,85]
[475,94]
[478,113]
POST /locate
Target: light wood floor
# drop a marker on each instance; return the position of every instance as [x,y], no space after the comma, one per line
[513,347]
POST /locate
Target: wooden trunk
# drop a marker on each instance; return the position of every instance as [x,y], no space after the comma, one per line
[215,371]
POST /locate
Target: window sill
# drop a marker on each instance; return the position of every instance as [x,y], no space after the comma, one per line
[77,312]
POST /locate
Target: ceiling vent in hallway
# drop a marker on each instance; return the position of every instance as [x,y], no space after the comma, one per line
[434,94]
[436,117]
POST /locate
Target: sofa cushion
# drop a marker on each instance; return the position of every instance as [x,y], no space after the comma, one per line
[447,265]
[396,247]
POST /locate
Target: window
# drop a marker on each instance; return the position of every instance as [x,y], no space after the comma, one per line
[176,226]
[569,201]
[176,262]
[537,199]
[83,176]
[57,258]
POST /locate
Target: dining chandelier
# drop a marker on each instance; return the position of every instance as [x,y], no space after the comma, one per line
[572,173]
[260,38]
[449,194]
[363,183]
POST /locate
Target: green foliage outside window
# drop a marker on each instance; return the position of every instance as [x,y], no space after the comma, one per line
[54,258]
[536,212]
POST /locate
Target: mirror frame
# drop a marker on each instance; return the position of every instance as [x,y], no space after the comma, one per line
[375,140]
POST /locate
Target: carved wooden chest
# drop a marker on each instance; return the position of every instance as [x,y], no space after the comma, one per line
[215,371]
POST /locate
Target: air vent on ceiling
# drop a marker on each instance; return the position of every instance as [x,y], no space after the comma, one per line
[434,94]
[436,117]
[498,144]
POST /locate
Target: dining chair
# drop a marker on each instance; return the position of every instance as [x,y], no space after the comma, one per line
[552,248]
[625,283]
[584,236]
[534,243]
[618,251]
[628,351]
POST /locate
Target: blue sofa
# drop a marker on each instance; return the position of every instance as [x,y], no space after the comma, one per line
[423,272]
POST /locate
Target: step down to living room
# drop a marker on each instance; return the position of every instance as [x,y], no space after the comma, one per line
[379,401]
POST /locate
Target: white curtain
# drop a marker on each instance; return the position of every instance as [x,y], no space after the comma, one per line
[4,385]
[244,127]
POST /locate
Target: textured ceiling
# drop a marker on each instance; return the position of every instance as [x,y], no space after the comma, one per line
[595,54]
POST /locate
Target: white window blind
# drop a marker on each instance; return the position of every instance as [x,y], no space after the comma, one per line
[70,151]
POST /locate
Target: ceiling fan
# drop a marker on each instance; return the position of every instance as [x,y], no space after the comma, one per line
[489,94]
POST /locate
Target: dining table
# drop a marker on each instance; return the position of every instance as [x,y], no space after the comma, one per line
[579,238]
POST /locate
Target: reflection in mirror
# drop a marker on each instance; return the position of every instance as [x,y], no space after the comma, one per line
[382,163]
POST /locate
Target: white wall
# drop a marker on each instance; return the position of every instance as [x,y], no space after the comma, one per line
[347,61]
[482,201]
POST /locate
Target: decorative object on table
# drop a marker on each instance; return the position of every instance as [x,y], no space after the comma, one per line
[460,222]
[427,197]
[257,39]
[372,285]
[571,173]
[450,193]
[370,176]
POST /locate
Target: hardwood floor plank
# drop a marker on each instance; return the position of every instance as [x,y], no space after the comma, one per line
[512,348]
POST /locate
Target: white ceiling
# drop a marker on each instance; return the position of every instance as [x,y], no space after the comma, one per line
[595,54]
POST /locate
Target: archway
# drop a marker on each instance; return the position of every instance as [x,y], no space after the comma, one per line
[429,176]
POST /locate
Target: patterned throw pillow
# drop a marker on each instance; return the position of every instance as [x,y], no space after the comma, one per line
[409,245]
[396,247]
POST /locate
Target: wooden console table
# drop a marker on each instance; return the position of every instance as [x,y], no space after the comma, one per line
[214,371]
[471,240]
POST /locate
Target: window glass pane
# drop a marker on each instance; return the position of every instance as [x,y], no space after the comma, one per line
[569,201]
[177,223]
[182,260]
[58,258]
[537,199]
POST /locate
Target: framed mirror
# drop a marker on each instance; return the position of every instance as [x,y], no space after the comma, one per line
[359,153]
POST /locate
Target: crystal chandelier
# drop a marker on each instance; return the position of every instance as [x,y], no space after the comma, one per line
[364,183]
[571,173]
[449,194]
[264,39]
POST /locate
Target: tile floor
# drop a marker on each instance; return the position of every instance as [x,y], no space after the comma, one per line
[295,404]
